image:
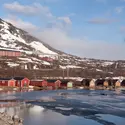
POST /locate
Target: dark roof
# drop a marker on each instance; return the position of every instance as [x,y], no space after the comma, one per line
[64,81]
[9,49]
[123,81]
[100,81]
[51,80]
[114,80]
[6,79]
[18,78]
[86,80]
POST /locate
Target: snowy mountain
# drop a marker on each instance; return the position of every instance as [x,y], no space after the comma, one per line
[37,55]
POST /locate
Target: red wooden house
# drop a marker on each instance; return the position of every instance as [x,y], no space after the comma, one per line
[38,83]
[9,52]
[22,81]
[48,59]
[7,82]
[64,82]
[123,83]
[53,83]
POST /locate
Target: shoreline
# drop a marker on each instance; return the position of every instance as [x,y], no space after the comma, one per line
[5,119]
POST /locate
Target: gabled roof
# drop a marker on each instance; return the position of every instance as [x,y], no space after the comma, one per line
[100,81]
[5,79]
[51,80]
[86,80]
[64,81]
[18,78]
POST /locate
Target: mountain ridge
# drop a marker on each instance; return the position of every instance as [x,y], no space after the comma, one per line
[38,55]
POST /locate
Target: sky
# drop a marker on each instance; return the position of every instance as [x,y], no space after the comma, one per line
[86,28]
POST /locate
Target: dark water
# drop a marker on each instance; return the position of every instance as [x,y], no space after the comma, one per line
[70,107]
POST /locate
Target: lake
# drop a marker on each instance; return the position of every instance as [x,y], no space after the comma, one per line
[64,107]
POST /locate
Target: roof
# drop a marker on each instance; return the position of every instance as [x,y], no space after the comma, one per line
[100,81]
[86,80]
[9,49]
[51,80]
[18,78]
[64,81]
[5,79]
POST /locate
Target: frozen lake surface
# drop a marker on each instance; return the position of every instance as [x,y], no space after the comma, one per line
[70,107]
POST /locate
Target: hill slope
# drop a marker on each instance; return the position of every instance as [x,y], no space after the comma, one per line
[38,55]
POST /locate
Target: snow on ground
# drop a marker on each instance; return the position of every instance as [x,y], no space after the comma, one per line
[72,78]
[8,40]
[12,64]
[53,56]
[107,63]
[99,70]
[26,59]
[45,63]
[39,46]
[69,66]
[9,49]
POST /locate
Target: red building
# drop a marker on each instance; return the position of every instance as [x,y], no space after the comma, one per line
[53,83]
[48,59]
[9,52]
[38,83]
[64,82]
[7,82]
[22,81]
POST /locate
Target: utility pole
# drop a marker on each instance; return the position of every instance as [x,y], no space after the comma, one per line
[67,72]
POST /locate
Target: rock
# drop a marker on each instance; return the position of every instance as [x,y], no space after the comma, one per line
[15,118]
[20,120]
[10,122]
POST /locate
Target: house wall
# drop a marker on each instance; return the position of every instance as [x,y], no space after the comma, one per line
[36,83]
[3,83]
[11,83]
[25,82]
[117,84]
[10,53]
[92,83]
[44,83]
[58,83]
[69,84]
[106,84]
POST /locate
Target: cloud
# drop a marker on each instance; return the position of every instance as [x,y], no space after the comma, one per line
[65,19]
[60,39]
[49,1]
[21,24]
[33,9]
[119,9]
[101,21]
[81,47]
[122,29]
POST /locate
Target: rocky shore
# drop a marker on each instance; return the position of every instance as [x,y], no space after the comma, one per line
[10,120]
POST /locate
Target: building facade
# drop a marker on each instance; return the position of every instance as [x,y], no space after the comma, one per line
[9,52]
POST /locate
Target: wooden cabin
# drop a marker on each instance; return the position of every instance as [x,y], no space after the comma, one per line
[7,82]
[38,83]
[22,81]
[70,84]
[107,82]
[99,82]
[116,83]
[123,83]
[64,82]
[53,82]
[85,82]
[92,83]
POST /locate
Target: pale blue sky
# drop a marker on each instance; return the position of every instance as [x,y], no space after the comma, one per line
[93,24]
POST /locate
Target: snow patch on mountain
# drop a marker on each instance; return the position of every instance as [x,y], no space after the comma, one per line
[40,47]
[13,37]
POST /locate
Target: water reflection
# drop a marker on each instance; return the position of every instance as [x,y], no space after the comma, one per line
[82,107]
